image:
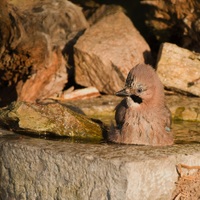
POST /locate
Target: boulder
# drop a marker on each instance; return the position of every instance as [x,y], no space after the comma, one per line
[179,69]
[48,119]
[37,39]
[174,21]
[107,51]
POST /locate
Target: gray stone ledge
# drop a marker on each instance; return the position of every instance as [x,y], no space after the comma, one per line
[32,168]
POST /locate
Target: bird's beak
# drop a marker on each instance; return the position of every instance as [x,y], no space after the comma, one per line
[122,93]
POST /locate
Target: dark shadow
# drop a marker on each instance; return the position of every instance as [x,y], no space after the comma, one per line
[7,95]
[69,52]
[104,128]
[148,59]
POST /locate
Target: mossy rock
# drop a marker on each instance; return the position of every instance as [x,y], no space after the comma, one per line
[51,119]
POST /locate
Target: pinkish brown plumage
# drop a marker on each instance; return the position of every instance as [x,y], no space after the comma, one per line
[142,117]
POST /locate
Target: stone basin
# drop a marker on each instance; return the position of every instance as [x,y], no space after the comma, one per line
[65,168]
[33,168]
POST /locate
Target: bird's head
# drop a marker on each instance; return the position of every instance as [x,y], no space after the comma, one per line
[142,85]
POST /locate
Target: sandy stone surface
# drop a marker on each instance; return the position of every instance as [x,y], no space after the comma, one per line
[179,69]
[32,168]
[107,51]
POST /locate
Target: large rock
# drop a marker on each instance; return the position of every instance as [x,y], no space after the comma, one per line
[175,21]
[35,37]
[179,69]
[107,51]
[45,119]
[32,168]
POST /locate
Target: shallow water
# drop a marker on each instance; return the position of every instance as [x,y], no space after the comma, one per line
[185,132]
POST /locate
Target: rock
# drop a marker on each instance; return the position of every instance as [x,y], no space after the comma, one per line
[179,69]
[174,21]
[102,11]
[32,168]
[37,40]
[107,51]
[80,94]
[46,119]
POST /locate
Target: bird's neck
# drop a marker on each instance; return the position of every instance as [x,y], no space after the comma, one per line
[156,102]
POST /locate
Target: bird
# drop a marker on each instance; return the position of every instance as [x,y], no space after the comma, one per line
[142,117]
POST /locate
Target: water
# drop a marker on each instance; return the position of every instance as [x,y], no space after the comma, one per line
[185,132]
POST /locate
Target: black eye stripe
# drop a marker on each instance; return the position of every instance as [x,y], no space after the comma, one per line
[136,99]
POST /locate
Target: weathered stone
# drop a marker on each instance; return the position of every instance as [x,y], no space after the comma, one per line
[47,119]
[179,69]
[33,168]
[37,39]
[103,11]
[107,51]
[80,94]
[175,21]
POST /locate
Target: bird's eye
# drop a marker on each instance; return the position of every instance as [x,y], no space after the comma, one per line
[139,90]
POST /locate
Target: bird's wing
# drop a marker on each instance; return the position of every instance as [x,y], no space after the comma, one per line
[120,111]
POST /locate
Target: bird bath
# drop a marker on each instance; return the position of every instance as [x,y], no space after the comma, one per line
[65,168]
[185,132]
